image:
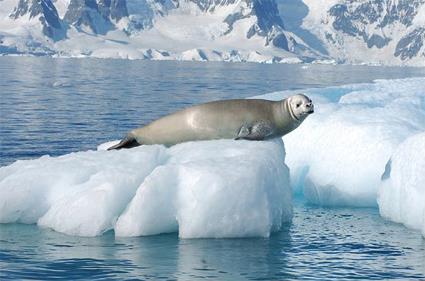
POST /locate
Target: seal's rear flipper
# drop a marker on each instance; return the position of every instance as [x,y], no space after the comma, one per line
[127,142]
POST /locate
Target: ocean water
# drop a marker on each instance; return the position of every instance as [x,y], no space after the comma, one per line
[321,244]
[57,106]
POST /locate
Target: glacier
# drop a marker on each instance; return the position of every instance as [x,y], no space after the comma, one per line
[385,32]
[220,188]
[234,31]
[369,32]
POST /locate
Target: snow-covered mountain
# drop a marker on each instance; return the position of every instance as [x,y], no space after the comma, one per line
[370,31]
[46,13]
[389,32]
[210,30]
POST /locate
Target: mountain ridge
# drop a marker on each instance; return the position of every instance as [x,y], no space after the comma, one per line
[388,32]
[382,32]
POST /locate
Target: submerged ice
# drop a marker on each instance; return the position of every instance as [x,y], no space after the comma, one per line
[218,188]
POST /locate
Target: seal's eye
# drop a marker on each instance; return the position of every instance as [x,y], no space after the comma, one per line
[298,105]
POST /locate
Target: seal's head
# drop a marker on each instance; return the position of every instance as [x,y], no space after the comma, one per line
[301,106]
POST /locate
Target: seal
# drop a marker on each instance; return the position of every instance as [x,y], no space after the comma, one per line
[248,119]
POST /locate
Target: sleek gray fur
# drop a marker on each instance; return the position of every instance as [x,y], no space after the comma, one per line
[251,119]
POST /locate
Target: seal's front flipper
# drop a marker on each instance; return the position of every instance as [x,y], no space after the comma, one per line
[259,130]
[127,142]
[243,132]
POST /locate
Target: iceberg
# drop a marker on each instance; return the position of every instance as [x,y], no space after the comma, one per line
[220,188]
[363,147]
[337,156]
[401,196]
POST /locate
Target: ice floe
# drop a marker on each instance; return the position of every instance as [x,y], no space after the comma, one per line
[402,192]
[220,188]
[337,156]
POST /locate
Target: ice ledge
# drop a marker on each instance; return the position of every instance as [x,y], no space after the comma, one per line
[218,188]
[337,156]
[401,196]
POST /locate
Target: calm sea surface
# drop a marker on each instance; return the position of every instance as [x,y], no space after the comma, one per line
[57,106]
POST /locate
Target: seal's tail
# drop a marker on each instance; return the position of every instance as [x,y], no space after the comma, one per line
[127,142]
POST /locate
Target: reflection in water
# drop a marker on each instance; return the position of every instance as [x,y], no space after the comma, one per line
[320,244]
[234,259]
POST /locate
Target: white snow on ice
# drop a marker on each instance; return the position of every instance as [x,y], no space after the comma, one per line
[337,156]
[402,192]
[220,188]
